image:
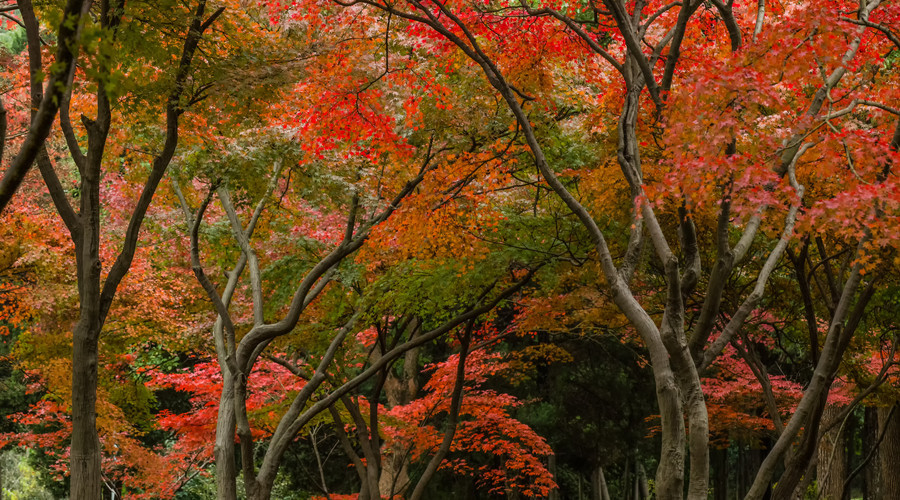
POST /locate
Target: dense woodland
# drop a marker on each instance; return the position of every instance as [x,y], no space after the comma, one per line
[449,249]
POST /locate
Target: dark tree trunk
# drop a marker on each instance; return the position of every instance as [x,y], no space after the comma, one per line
[85,449]
[872,485]
[889,454]
[551,467]
[624,490]
[720,480]
[832,462]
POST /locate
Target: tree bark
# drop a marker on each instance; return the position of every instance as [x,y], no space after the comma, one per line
[551,467]
[720,473]
[85,464]
[85,448]
[599,488]
[624,489]
[832,463]
[643,488]
[872,488]
[226,472]
[96,295]
[889,454]
[399,390]
[45,114]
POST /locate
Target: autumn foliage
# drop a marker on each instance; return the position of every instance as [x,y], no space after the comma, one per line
[442,249]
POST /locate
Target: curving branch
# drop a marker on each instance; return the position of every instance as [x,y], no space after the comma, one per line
[66,54]
[760,18]
[301,299]
[452,416]
[197,268]
[298,415]
[812,398]
[575,27]
[889,33]
[750,303]
[35,65]
[734,31]
[620,16]
[2,127]
[161,162]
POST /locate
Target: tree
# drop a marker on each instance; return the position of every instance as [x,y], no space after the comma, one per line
[695,188]
[96,293]
[677,358]
[45,105]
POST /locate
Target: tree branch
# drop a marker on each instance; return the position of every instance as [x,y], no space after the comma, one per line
[452,417]
[67,53]
[160,162]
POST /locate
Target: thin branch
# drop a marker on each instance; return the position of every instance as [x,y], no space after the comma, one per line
[871,453]
[173,111]
[749,304]
[237,231]
[67,53]
[452,417]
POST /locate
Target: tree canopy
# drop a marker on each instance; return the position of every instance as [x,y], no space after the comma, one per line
[449,249]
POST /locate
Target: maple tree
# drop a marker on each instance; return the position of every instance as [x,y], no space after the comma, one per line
[43,107]
[676,357]
[706,185]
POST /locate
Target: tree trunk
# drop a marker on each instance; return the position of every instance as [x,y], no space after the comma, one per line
[84,468]
[394,478]
[226,472]
[872,485]
[624,489]
[889,454]
[551,467]
[853,436]
[599,488]
[832,463]
[399,390]
[720,480]
[643,488]
[85,451]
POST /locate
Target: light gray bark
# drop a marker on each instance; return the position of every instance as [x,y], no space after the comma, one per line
[673,360]
[239,357]
[599,488]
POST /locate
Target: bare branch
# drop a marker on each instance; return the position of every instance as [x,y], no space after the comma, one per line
[297,421]
[749,304]
[57,192]
[197,268]
[759,371]
[591,43]
[734,31]
[238,231]
[817,388]
[2,126]
[880,27]
[634,50]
